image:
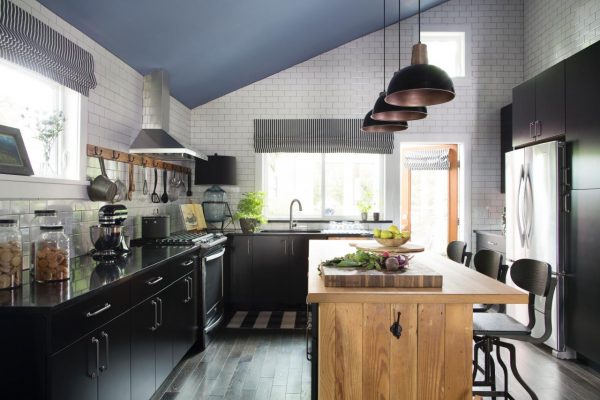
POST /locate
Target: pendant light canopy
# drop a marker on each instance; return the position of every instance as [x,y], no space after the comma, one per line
[371,125]
[384,111]
[420,84]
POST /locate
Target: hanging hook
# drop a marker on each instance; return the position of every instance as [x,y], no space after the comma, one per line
[396,328]
[130,158]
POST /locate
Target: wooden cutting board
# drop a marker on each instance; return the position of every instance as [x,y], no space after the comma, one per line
[375,247]
[415,276]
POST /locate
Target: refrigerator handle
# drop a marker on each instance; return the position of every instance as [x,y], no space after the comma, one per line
[520,221]
[529,207]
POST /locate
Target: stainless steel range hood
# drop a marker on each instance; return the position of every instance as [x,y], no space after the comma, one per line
[154,139]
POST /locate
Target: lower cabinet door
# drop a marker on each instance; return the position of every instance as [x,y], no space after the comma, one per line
[143,362]
[115,362]
[162,342]
[73,373]
[184,309]
[298,271]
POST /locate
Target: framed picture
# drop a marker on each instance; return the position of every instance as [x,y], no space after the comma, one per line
[13,155]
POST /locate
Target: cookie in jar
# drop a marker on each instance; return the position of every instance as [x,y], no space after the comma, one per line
[11,254]
[52,251]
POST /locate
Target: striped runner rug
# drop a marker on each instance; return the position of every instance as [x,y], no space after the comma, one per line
[267,320]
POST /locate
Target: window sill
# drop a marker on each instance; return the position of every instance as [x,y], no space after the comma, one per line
[33,187]
[327,220]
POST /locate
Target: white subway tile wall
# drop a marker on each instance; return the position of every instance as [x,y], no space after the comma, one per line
[557,29]
[344,83]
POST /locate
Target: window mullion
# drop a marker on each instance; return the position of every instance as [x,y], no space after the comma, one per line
[323,185]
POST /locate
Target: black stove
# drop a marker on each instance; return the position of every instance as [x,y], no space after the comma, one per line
[189,238]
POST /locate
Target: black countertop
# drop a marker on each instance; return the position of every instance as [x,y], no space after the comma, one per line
[315,233]
[87,275]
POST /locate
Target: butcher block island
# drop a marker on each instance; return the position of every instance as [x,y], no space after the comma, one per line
[360,353]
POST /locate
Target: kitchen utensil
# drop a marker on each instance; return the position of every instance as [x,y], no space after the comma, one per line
[131,184]
[102,188]
[121,188]
[173,189]
[156,227]
[165,197]
[155,198]
[145,188]
[106,239]
[189,186]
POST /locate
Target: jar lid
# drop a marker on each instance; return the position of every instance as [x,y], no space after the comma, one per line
[51,228]
[8,221]
[44,212]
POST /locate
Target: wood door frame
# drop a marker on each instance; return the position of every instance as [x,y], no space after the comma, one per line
[453,188]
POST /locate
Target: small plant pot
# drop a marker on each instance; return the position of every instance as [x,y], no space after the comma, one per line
[364,216]
[249,225]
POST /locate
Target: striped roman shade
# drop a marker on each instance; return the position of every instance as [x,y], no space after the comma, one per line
[26,41]
[427,159]
[318,136]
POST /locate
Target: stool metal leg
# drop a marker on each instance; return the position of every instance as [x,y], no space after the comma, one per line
[513,367]
[505,370]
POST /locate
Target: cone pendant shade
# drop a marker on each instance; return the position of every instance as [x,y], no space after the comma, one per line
[370,125]
[383,111]
[420,84]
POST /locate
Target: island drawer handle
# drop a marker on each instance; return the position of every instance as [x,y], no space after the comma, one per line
[101,310]
[187,263]
[154,281]
[396,328]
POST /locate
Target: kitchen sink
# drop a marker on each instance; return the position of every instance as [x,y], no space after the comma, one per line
[290,231]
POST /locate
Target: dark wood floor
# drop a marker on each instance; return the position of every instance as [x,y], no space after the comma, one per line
[265,365]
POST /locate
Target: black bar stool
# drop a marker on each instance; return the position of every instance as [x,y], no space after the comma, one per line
[490,328]
[489,263]
[457,252]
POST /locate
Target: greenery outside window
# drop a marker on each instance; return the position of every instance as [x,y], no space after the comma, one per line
[48,116]
[329,186]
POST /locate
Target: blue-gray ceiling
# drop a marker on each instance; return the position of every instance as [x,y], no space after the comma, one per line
[214,47]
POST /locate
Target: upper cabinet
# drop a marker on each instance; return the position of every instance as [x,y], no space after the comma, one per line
[583,116]
[539,107]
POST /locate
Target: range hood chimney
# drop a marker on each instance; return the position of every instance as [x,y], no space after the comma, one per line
[154,139]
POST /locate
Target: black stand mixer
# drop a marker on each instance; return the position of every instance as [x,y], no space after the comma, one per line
[107,237]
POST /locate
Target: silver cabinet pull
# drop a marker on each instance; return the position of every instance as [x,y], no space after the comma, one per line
[187,290]
[94,374]
[155,326]
[538,132]
[492,243]
[285,247]
[106,350]
[566,198]
[187,263]
[530,130]
[98,311]
[292,247]
[160,313]
[248,246]
[154,281]
[191,295]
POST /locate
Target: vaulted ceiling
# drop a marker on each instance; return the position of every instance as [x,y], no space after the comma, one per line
[214,47]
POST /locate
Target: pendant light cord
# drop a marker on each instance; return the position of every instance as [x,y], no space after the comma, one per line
[384,88]
[399,47]
[419,21]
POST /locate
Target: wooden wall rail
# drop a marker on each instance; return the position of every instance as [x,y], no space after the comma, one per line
[136,159]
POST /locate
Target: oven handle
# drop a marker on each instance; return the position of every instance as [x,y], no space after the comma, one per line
[213,325]
[215,256]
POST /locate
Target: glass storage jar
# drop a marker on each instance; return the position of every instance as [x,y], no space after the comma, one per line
[11,254]
[52,251]
[41,218]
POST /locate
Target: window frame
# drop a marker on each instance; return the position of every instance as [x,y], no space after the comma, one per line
[259,183]
[458,81]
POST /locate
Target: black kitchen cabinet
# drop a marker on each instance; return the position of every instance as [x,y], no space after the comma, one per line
[505,141]
[144,319]
[97,366]
[583,276]
[240,272]
[583,112]
[183,304]
[269,270]
[297,278]
[539,107]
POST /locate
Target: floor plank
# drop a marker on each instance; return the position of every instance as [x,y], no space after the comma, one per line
[263,365]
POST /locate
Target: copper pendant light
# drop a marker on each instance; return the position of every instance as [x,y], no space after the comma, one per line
[371,124]
[420,84]
[383,111]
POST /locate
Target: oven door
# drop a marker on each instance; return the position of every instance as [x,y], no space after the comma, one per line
[212,290]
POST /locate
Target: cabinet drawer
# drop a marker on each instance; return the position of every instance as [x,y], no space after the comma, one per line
[491,242]
[75,321]
[151,282]
[182,266]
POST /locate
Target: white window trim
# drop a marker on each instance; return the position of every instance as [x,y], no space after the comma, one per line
[458,81]
[35,187]
[258,183]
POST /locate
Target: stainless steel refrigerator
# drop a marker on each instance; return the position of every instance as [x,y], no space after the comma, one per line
[535,226]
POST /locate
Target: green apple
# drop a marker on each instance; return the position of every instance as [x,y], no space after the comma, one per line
[376,232]
[385,234]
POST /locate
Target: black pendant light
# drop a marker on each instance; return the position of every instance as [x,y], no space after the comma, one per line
[420,84]
[383,111]
[371,124]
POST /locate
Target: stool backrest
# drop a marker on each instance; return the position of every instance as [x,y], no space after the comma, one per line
[488,262]
[456,251]
[536,278]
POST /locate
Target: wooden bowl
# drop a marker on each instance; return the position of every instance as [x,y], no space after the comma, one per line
[392,242]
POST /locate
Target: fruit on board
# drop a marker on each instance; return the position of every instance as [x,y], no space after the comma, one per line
[376,232]
[386,234]
[393,229]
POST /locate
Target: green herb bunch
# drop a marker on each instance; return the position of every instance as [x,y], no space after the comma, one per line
[251,207]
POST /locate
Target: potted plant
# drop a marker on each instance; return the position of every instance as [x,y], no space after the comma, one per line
[249,211]
[365,203]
